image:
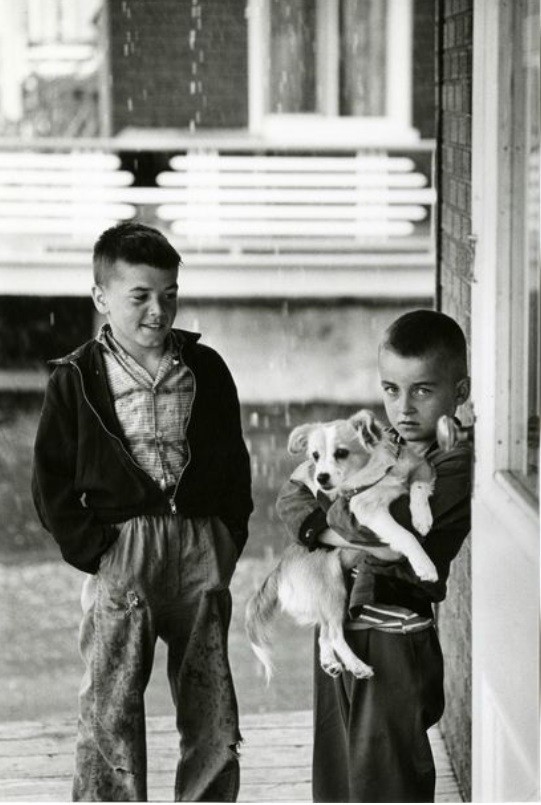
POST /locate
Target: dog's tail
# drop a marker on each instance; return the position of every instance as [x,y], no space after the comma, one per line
[260,610]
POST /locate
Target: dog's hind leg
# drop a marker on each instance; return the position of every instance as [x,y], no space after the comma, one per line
[352,663]
[327,658]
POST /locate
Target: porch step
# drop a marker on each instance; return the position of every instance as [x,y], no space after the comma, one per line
[36,759]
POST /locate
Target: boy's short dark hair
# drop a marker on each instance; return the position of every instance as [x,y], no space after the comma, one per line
[427,331]
[135,243]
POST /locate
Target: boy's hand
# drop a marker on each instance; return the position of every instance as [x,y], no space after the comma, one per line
[449,433]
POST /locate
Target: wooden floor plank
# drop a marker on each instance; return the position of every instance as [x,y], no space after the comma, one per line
[36,759]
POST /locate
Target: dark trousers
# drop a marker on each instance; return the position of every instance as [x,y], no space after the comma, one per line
[370,739]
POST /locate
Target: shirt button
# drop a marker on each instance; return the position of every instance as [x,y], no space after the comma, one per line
[159,434]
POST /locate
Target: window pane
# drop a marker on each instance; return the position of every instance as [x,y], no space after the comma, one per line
[362,57]
[293,73]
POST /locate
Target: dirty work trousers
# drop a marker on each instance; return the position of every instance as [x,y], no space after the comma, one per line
[164,577]
[370,741]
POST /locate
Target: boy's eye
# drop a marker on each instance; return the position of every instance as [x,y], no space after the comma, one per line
[392,391]
[341,453]
[421,392]
[138,299]
[315,455]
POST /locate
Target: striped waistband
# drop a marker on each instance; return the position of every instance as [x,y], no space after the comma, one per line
[387,618]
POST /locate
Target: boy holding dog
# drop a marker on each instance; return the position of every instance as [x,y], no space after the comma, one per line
[142,476]
[370,736]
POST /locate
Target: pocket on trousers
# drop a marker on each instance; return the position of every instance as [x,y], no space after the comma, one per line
[105,558]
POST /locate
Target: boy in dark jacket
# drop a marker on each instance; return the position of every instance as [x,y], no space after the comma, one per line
[142,476]
[370,736]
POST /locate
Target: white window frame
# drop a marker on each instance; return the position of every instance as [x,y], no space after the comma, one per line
[498,292]
[395,126]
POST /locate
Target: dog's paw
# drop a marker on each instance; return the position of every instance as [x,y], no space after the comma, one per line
[362,671]
[422,520]
[424,568]
[333,668]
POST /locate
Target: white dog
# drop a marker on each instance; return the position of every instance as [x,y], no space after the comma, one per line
[344,456]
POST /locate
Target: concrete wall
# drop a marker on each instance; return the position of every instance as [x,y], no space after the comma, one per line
[297,352]
[454,80]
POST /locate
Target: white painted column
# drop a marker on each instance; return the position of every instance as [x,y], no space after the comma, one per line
[505,528]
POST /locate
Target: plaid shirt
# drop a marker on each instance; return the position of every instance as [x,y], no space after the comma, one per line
[153,412]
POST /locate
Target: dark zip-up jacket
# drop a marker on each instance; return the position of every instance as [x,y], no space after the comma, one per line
[85,480]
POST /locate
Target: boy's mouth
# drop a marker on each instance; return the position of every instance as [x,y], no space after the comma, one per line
[154,325]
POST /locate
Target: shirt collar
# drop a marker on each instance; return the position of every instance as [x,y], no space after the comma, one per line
[173,343]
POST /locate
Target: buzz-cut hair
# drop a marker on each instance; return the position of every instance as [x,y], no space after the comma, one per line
[135,243]
[424,332]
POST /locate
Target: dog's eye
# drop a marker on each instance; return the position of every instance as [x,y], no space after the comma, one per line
[341,453]
[315,455]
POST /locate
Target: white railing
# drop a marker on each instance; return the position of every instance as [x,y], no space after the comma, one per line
[221,206]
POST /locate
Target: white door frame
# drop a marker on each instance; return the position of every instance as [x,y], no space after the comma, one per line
[505,530]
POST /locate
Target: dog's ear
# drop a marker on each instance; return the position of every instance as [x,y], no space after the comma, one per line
[368,428]
[298,439]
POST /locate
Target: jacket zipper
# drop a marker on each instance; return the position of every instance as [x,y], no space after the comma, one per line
[100,420]
[107,431]
[172,504]
[171,500]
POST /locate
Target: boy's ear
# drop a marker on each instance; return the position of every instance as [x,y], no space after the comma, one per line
[100,300]
[298,439]
[368,428]
[462,390]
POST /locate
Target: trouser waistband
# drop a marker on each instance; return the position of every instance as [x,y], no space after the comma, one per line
[401,628]
[388,618]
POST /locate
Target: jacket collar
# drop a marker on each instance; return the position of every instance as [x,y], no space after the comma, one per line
[83,354]
[88,361]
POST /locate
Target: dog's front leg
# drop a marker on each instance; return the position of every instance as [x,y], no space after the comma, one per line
[379,520]
[421,515]
[422,482]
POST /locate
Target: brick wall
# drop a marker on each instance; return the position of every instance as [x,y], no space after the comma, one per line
[454,81]
[423,67]
[177,63]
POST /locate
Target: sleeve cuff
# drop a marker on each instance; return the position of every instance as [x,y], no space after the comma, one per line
[311,528]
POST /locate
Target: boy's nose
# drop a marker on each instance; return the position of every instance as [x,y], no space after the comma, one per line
[156,307]
[406,404]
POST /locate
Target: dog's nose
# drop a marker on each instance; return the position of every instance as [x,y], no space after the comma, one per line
[323,477]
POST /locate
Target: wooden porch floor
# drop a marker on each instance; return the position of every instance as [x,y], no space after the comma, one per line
[36,759]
